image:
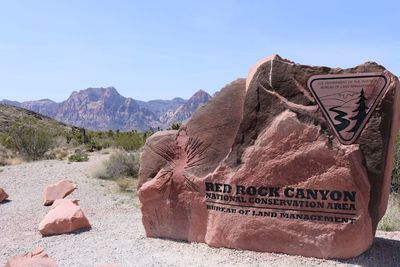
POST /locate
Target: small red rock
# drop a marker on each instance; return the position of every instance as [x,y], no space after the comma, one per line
[65,216]
[57,191]
[32,259]
[3,195]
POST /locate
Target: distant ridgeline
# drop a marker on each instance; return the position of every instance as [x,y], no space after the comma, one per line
[105,109]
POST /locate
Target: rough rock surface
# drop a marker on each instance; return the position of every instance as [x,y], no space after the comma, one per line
[37,258]
[3,195]
[65,216]
[57,191]
[267,140]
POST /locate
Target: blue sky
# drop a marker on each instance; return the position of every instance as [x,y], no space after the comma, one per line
[164,49]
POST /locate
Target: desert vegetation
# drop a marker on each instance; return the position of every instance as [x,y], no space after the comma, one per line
[391,220]
[96,141]
[30,138]
[122,167]
[78,156]
[33,139]
[396,168]
[120,164]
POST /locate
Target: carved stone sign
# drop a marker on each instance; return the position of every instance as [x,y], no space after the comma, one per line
[269,165]
[322,205]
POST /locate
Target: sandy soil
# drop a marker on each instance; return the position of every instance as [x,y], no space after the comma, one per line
[117,236]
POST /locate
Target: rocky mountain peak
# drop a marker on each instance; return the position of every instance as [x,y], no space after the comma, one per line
[93,94]
[184,112]
[104,108]
[200,94]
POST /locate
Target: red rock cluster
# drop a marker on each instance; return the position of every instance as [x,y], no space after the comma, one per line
[57,191]
[65,216]
[260,168]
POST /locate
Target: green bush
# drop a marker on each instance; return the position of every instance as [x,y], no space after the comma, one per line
[32,140]
[120,165]
[130,141]
[95,145]
[175,126]
[79,156]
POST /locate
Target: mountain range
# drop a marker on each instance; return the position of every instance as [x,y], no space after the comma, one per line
[104,109]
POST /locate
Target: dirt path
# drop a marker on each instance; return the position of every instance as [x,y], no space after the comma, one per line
[117,236]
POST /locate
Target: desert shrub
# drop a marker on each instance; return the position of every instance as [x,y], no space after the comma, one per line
[97,143]
[120,165]
[5,155]
[30,139]
[78,156]
[75,136]
[129,141]
[147,134]
[391,220]
[175,126]
[396,168]
[92,146]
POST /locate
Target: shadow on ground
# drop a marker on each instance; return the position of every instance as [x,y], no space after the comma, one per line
[384,252]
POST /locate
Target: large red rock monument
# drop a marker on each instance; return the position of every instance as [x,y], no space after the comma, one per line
[296,159]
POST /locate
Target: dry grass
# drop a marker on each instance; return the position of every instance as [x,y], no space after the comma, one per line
[59,153]
[15,160]
[391,220]
[7,157]
[126,184]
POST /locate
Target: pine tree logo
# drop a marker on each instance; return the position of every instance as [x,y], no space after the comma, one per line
[341,123]
[361,112]
[348,100]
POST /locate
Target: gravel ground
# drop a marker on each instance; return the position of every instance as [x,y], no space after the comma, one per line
[117,236]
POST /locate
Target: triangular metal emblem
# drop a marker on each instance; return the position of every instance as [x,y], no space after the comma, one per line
[348,100]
